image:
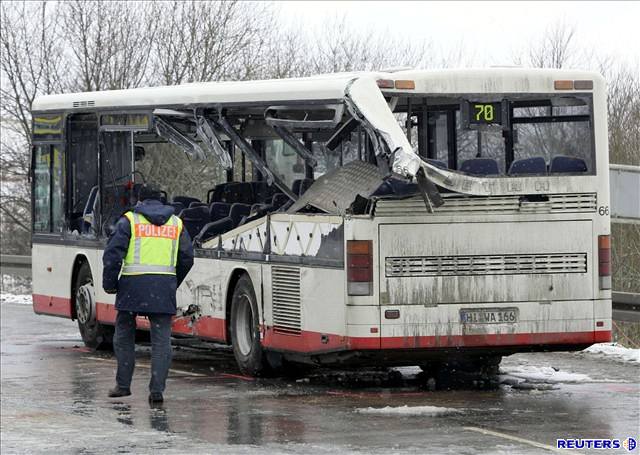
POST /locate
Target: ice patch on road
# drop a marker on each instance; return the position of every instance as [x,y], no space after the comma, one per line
[408,372]
[20,299]
[546,375]
[615,351]
[409,410]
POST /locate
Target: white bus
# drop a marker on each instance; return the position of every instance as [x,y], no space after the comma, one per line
[408,218]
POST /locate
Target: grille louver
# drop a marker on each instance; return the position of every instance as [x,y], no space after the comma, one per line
[84,103]
[557,203]
[511,264]
[285,288]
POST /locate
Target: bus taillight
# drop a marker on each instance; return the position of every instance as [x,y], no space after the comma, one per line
[359,267]
[604,261]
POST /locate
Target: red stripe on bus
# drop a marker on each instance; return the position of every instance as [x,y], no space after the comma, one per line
[47,304]
[205,327]
[211,328]
[304,342]
[308,342]
[502,339]
[315,342]
[106,312]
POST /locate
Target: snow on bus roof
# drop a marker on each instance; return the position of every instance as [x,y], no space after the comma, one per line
[315,88]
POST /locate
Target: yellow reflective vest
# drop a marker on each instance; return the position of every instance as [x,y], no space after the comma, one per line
[152,249]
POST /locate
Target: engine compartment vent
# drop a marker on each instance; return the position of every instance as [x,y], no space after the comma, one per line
[504,264]
[285,291]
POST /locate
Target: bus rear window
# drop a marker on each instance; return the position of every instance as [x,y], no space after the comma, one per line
[515,135]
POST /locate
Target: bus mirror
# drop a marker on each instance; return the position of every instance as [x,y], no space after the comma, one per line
[138,153]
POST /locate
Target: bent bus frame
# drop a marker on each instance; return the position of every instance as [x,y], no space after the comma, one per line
[314,242]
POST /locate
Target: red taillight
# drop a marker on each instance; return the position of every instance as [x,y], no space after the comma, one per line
[359,267]
[604,261]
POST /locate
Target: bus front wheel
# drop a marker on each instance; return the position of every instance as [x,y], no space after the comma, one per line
[94,335]
[245,330]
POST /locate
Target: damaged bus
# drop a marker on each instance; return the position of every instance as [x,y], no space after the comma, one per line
[415,217]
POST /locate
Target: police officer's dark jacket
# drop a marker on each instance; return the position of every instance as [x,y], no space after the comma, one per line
[147,293]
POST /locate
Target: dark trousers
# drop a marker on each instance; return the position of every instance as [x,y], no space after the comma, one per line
[124,344]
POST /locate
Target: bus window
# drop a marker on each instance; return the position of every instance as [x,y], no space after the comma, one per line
[83,157]
[58,183]
[437,137]
[480,143]
[529,130]
[542,129]
[283,161]
[42,188]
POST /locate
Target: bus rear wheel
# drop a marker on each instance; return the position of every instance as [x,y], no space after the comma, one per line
[245,330]
[94,335]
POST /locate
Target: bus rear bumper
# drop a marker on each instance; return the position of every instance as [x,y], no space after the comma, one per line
[511,340]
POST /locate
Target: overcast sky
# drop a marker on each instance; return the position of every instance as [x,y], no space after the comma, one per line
[489,31]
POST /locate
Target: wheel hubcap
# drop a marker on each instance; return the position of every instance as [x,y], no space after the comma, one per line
[85,303]
[244,327]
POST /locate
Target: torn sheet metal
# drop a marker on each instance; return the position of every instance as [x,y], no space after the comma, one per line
[206,133]
[460,183]
[364,94]
[170,133]
[336,191]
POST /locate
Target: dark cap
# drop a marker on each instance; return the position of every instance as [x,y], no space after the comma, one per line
[149,192]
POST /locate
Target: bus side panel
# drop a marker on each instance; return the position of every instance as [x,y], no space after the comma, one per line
[320,309]
[206,287]
[51,268]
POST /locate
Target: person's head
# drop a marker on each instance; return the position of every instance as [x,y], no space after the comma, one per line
[149,192]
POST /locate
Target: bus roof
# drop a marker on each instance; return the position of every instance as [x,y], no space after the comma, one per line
[316,88]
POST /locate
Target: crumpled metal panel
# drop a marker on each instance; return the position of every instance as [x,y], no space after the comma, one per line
[335,192]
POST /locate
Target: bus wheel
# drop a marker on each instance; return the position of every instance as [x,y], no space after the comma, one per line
[245,329]
[94,334]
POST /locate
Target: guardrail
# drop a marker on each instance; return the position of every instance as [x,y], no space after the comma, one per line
[624,182]
[13,264]
[626,305]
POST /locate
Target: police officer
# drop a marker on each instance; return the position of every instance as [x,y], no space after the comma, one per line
[145,261]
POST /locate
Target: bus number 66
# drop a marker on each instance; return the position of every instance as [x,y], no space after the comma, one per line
[603,210]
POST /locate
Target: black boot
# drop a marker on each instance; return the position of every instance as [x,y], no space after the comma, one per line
[155,397]
[118,392]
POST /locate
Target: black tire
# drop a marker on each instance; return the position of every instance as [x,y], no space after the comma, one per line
[244,329]
[94,335]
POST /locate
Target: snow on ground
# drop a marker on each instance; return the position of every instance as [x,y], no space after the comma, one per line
[615,351]
[409,410]
[536,374]
[21,299]
[12,284]
[408,372]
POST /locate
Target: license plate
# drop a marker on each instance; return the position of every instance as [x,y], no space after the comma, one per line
[489,316]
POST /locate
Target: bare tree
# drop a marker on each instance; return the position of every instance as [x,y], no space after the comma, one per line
[110,43]
[30,60]
[336,47]
[623,106]
[554,49]
[206,41]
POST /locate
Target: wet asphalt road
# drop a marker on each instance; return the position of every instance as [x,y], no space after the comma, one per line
[53,400]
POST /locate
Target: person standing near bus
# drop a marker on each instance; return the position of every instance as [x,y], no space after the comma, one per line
[145,260]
